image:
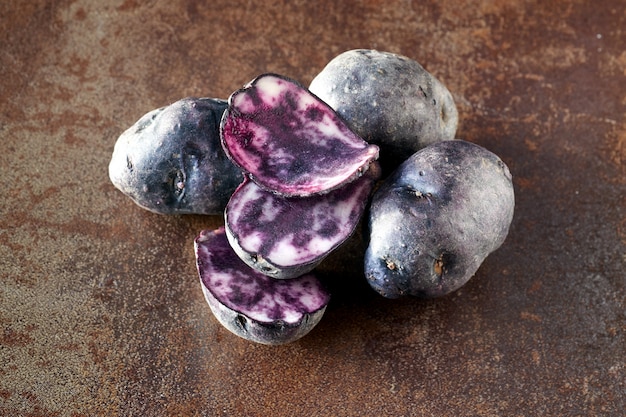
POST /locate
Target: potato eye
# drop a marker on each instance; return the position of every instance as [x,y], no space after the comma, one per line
[177,182]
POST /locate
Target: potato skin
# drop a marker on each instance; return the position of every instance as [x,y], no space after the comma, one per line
[274,334]
[436,218]
[171,160]
[389,100]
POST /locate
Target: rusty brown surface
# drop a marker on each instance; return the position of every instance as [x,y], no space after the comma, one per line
[101,312]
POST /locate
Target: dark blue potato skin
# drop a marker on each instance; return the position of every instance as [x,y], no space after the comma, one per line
[171,160]
[389,100]
[436,218]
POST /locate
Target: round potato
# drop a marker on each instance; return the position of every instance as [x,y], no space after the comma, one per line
[171,160]
[436,218]
[389,100]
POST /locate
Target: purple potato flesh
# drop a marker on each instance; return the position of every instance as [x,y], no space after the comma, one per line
[436,218]
[289,141]
[287,237]
[171,160]
[250,304]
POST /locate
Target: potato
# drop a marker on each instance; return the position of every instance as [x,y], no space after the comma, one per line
[252,305]
[389,100]
[287,237]
[171,160]
[288,141]
[436,218]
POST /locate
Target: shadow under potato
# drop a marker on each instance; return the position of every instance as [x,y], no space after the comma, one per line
[342,271]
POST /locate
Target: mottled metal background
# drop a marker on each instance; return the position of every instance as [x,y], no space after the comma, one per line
[101,311]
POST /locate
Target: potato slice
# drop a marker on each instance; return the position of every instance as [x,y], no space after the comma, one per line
[250,304]
[289,141]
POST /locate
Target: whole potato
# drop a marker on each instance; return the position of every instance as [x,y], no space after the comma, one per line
[389,100]
[171,160]
[436,218]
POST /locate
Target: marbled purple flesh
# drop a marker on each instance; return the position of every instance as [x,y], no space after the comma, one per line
[250,304]
[289,141]
[436,218]
[287,237]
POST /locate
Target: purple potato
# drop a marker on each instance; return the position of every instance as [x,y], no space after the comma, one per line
[252,305]
[286,237]
[389,100]
[436,218]
[171,160]
[289,141]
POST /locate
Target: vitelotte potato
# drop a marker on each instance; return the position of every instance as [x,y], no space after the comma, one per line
[389,100]
[250,304]
[290,142]
[286,237]
[171,160]
[436,218]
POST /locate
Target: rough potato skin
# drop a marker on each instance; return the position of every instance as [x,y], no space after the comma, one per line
[389,100]
[278,333]
[171,160]
[436,218]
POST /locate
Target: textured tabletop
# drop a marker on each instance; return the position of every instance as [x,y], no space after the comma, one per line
[101,309]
